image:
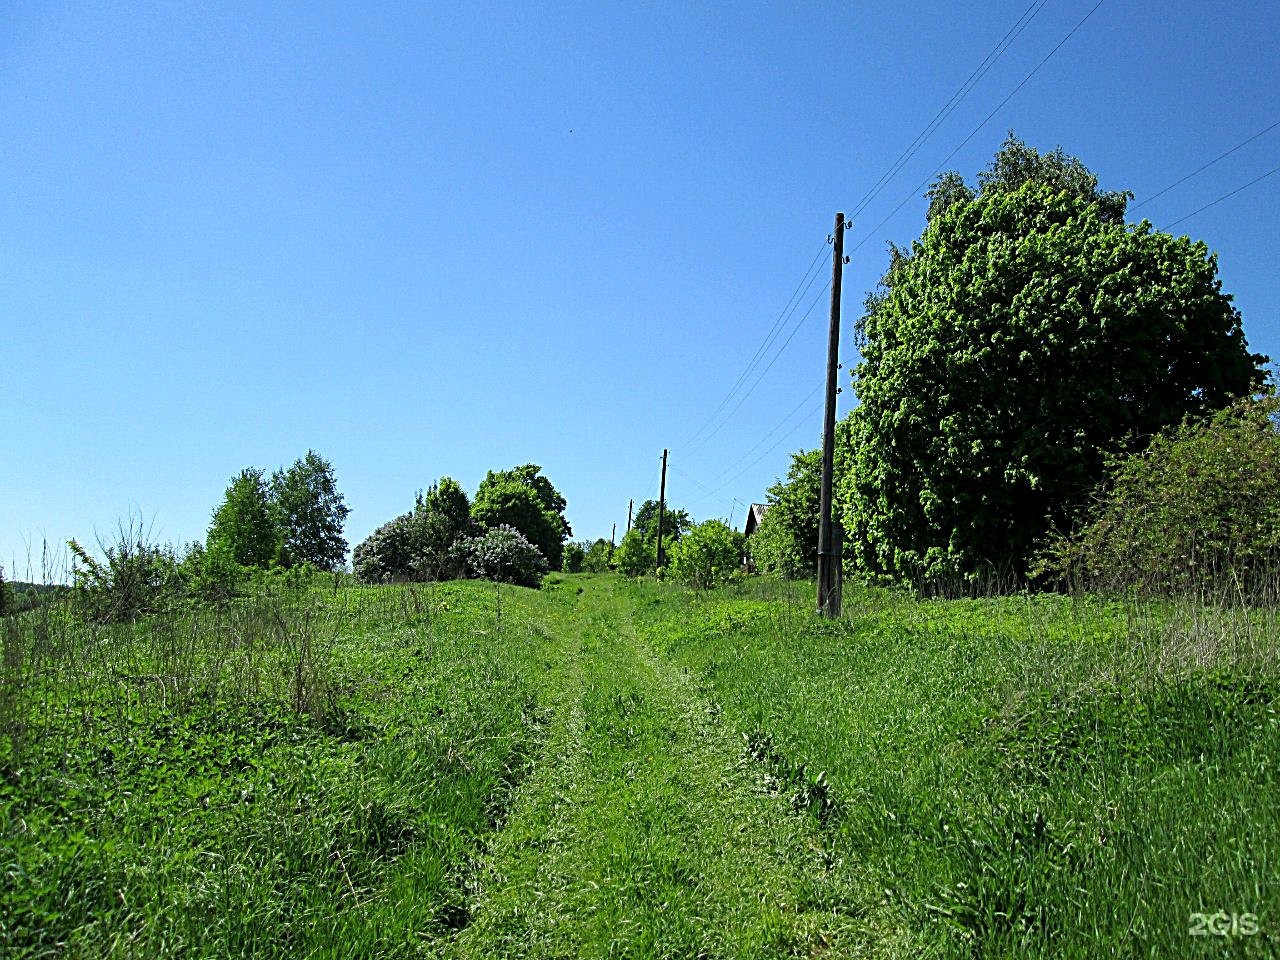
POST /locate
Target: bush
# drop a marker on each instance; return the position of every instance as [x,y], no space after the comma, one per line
[504,555]
[599,556]
[211,573]
[708,554]
[1197,511]
[786,542]
[574,557]
[424,544]
[635,555]
[137,578]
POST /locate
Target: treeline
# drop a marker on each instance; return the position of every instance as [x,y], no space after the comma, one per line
[1048,395]
[286,525]
[514,531]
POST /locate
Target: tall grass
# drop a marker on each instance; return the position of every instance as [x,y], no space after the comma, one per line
[1020,776]
[300,772]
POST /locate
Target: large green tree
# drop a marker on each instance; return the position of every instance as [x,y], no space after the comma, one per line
[786,542]
[524,499]
[246,524]
[312,513]
[1027,336]
[675,523]
[424,544]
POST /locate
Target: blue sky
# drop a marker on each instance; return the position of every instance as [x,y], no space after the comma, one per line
[437,239]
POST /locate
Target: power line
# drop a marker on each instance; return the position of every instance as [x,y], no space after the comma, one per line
[765,438]
[1199,170]
[697,483]
[793,301]
[778,353]
[950,106]
[1225,196]
[1000,106]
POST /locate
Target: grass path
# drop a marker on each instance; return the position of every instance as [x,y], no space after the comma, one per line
[645,830]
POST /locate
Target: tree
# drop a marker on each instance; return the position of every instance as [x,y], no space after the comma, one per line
[708,554]
[5,603]
[786,541]
[524,499]
[636,555]
[1027,336]
[1197,511]
[575,555]
[311,513]
[503,555]
[599,556]
[675,522]
[424,544]
[246,525]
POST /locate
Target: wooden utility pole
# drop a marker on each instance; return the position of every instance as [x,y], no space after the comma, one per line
[829,534]
[613,535]
[662,509]
[630,505]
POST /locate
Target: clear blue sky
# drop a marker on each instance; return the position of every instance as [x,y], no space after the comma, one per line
[436,239]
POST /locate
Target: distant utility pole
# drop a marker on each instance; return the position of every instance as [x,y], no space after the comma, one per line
[662,509]
[829,534]
[630,504]
[613,535]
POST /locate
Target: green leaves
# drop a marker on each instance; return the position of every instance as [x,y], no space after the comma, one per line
[524,499]
[1026,336]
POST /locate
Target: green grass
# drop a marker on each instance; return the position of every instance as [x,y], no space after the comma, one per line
[615,769]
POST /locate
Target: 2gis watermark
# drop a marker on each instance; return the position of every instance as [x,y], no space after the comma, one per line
[1224,924]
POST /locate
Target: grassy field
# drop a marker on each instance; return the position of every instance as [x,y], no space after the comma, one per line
[613,769]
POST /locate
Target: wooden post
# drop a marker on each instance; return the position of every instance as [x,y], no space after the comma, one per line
[829,534]
[630,504]
[662,509]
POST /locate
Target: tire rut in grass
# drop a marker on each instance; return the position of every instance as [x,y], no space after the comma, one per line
[644,831]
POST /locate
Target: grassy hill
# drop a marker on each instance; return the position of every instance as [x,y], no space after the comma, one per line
[609,768]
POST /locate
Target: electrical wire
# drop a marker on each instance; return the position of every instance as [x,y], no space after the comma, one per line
[793,301]
[778,353]
[1000,106]
[950,106]
[1199,170]
[1213,203]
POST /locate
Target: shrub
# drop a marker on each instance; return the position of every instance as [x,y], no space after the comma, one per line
[424,544]
[504,555]
[137,578]
[211,573]
[574,557]
[599,556]
[786,542]
[636,555]
[709,554]
[1198,510]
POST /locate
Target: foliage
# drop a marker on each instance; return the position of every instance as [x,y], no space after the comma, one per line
[599,556]
[786,541]
[311,513]
[211,572]
[271,732]
[5,601]
[524,499]
[1198,510]
[636,555]
[138,577]
[1024,339]
[502,554]
[709,554]
[675,523]
[1032,761]
[424,544]
[247,523]
[575,555]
